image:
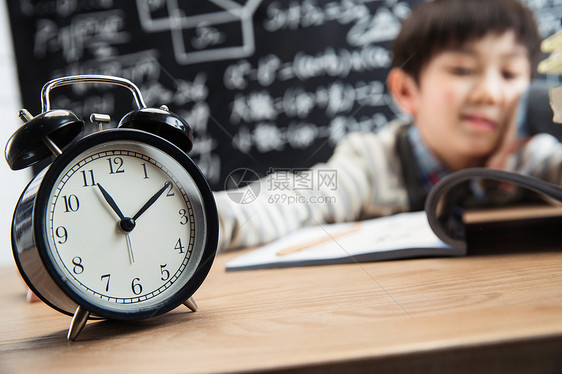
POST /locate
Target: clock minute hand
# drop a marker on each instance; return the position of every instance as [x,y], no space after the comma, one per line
[152,200]
[111,202]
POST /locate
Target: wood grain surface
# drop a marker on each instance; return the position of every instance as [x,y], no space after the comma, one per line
[495,310]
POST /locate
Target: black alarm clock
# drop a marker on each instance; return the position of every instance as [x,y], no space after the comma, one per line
[122,224]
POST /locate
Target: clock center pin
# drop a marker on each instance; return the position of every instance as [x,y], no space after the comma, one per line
[127,224]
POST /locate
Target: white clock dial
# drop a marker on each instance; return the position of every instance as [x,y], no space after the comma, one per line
[121,222]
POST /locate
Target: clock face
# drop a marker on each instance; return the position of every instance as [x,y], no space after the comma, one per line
[125,226]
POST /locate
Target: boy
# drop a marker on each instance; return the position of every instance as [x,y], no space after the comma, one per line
[460,68]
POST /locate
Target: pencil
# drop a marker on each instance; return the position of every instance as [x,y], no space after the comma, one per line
[299,247]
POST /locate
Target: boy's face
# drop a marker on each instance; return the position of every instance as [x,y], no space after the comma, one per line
[467,98]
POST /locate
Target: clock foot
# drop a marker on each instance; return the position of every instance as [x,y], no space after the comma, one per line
[78,322]
[191,304]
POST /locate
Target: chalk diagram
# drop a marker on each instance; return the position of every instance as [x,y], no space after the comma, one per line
[219,30]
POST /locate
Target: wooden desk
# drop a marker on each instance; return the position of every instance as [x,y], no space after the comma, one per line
[499,312]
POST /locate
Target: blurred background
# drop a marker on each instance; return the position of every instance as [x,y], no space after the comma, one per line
[265,84]
[12,183]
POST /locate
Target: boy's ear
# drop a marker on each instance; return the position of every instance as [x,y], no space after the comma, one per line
[403,89]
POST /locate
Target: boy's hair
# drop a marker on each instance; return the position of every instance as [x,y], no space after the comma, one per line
[438,25]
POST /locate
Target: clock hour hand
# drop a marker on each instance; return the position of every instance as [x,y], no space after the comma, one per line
[152,200]
[127,224]
[111,202]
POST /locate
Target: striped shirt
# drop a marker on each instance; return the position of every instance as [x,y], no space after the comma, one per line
[429,169]
[367,181]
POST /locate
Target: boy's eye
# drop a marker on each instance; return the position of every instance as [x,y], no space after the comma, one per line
[460,70]
[509,75]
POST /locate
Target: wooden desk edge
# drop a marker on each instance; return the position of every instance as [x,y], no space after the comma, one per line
[536,355]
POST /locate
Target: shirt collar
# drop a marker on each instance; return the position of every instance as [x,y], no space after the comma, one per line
[430,169]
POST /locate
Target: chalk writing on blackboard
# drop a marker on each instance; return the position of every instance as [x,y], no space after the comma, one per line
[263,83]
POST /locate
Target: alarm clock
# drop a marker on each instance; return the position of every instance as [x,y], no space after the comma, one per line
[122,224]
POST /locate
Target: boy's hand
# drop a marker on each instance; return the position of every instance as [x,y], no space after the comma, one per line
[511,143]
[498,159]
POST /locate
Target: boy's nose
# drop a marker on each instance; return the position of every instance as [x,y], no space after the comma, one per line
[487,89]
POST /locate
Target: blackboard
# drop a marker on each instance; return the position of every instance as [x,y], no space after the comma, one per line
[265,84]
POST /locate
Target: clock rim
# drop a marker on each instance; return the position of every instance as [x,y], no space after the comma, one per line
[209,206]
[62,299]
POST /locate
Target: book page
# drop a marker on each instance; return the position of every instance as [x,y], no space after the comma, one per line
[403,235]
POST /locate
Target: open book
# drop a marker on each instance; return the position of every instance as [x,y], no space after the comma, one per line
[477,197]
